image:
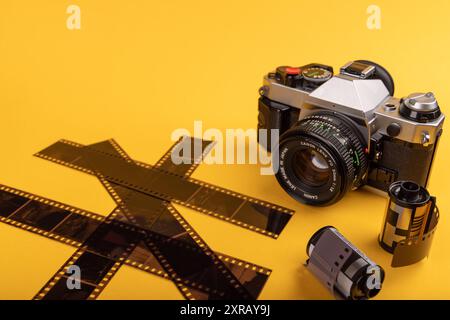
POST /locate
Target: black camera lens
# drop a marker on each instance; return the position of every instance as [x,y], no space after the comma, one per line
[321,158]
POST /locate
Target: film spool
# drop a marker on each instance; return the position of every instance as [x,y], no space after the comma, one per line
[346,272]
[409,224]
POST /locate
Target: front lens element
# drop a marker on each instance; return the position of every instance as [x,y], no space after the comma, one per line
[311,167]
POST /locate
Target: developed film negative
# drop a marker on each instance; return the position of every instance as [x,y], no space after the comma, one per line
[162,220]
[199,266]
[183,255]
[245,211]
[98,259]
[74,226]
[211,276]
[410,223]
[346,272]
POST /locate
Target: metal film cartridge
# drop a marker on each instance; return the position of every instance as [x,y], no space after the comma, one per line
[347,272]
[409,224]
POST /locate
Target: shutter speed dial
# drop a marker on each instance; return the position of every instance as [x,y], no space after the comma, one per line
[316,74]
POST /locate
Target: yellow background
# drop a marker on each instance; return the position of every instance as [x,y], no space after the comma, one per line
[137,70]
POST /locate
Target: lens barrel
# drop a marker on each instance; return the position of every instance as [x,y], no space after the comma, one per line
[321,158]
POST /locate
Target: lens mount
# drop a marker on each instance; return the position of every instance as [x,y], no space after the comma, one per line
[321,158]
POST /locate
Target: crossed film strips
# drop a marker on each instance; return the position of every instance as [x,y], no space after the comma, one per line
[144,231]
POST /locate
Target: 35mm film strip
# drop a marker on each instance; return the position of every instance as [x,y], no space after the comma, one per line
[251,213]
[178,248]
[169,237]
[151,213]
[98,259]
[173,232]
[73,226]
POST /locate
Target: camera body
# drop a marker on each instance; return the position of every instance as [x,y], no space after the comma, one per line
[340,132]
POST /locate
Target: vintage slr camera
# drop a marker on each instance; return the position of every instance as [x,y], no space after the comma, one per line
[340,132]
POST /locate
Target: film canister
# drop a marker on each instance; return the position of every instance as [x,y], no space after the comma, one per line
[347,272]
[409,223]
